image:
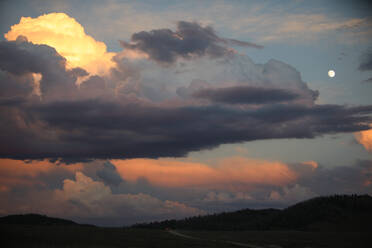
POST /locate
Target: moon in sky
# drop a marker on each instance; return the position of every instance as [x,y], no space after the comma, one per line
[331,73]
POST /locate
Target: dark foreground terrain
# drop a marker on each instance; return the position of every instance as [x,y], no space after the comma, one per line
[85,236]
[336,221]
[88,236]
[345,213]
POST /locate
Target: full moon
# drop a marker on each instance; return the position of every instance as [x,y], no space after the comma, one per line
[331,73]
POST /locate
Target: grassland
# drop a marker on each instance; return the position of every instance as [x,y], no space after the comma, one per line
[290,239]
[93,237]
[87,236]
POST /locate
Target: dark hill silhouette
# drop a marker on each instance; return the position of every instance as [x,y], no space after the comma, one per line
[338,212]
[34,219]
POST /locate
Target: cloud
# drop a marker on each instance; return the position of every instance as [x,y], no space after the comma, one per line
[68,37]
[287,22]
[51,188]
[341,179]
[18,57]
[93,202]
[145,110]
[188,41]
[242,43]
[14,88]
[282,25]
[369,80]
[95,195]
[18,173]
[226,197]
[109,174]
[136,130]
[295,24]
[291,194]
[139,130]
[365,138]
[366,63]
[154,189]
[245,95]
[235,172]
[46,67]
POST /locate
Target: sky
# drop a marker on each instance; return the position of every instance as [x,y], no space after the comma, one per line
[118,112]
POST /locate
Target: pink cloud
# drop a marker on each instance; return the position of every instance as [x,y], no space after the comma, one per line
[232,173]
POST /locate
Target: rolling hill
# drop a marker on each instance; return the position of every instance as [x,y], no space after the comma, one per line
[337,213]
[34,219]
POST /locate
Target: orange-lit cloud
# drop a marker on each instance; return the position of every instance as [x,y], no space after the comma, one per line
[132,54]
[311,163]
[68,37]
[231,173]
[365,138]
[37,78]
[18,172]
[97,199]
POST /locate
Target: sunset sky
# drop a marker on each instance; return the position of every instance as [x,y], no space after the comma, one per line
[117,112]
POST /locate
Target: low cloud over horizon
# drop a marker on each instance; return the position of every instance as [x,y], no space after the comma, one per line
[124,192]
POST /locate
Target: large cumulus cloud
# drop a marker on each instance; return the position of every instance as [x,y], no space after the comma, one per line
[143,109]
[68,37]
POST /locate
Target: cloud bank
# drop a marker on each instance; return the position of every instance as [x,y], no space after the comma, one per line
[140,190]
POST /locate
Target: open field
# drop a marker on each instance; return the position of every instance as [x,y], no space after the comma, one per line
[289,239]
[94,237]
[86,236]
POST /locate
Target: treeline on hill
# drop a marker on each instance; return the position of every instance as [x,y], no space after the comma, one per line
[338,212]
[34,219]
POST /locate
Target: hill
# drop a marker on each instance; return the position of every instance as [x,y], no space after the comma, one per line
[34,219]
[338,213]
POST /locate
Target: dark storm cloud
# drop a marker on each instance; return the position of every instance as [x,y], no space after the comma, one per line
[366,63]
[21,57]
[245,95]
[18,61]
[101,120]
[109,174]
[10,101]
[96,129]
[189,40]
[14,87]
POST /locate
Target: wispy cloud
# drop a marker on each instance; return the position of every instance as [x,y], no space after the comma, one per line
[262,22]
